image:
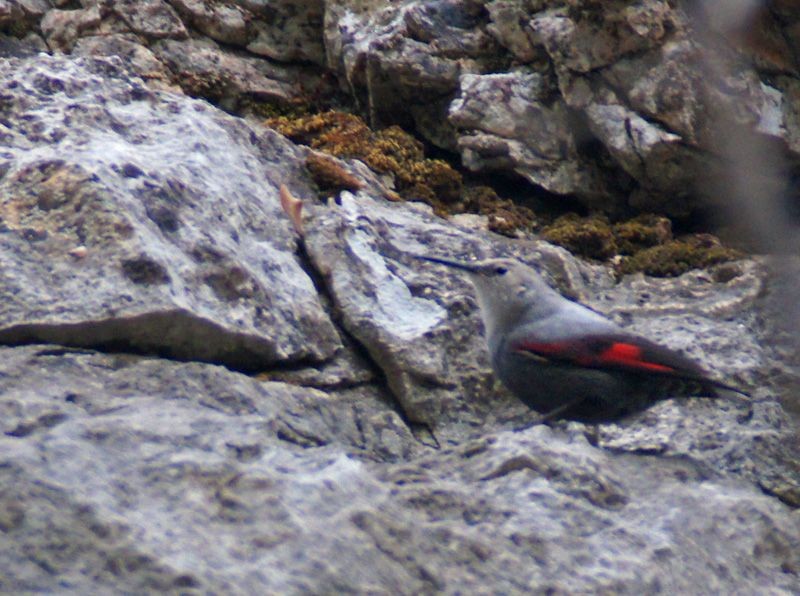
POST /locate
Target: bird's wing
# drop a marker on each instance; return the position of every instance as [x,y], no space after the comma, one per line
[614,351]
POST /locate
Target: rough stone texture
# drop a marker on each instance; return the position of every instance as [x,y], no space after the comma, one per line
[62,28]
[150,19]
[633,92]
[220,22]
[19,15]
[511,121]
[29,45]
[155,41]
[149,223]
[153,19]
[222,483]
[404,62]
[361,249]
[287,30]
[167,476]
[137,57]
[201,69]
[136,220]
[636,78]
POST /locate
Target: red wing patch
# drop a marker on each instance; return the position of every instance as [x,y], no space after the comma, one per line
[599,353]
[629,355]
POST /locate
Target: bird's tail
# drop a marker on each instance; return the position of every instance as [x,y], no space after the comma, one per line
[701,386]
[716,386]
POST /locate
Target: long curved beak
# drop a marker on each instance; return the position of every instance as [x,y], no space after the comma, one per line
[464,265]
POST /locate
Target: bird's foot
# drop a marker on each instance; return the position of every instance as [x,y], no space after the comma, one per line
[551,415]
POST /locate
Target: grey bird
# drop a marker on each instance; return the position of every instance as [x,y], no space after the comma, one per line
[567,361]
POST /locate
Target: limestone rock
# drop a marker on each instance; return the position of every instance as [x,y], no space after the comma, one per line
[202,69]
[186,252]
[513,121]
[151,19]
[635,92]
[374,453]
[135,56]
[130,474]
[221,22]
[287,30]
[404,62]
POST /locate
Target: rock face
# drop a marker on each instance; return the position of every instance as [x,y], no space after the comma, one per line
[610,102]
[139,475]
[91,242]
[616,104]
[148,271]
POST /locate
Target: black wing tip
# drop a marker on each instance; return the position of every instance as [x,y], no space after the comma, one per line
[719,385]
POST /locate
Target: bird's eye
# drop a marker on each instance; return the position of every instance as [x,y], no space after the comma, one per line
[501,270]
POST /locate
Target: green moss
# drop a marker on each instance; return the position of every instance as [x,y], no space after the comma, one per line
[645,243]
[389,151]
[337,133]
[643,231]
[18,28]
[590,236]
[442,180]
[271,109]
[397,144]
[678,256]
[505,216]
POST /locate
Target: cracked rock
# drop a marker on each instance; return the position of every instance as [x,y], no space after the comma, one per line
[183,247]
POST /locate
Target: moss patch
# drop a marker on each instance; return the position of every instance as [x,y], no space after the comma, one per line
[591,236]
[676,257]
[505,216]
[393,152]
[644,243]
[390,151]
[641,232]
[272,109]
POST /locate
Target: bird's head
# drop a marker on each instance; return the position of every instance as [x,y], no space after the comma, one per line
[507,290]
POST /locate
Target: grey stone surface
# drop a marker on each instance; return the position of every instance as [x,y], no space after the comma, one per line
[167,476]
[510,121]
[362,249]
[374,453]
[404,61]
[287,30]
[200,67]
[147,221]
[137,474]
[62,28]
[226,23]
[631,94]
[138,58]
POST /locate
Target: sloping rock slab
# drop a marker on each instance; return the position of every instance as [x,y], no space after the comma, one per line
[147,221]
[421,326]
